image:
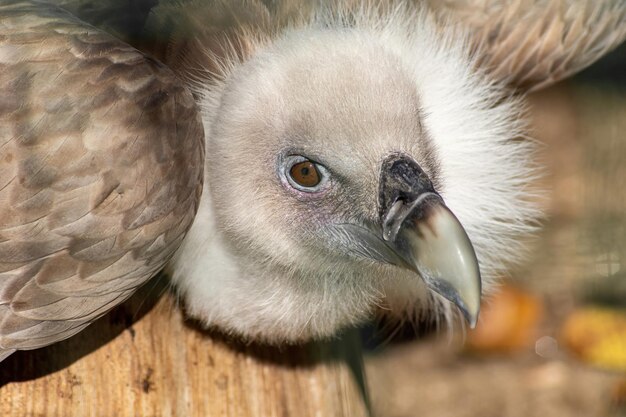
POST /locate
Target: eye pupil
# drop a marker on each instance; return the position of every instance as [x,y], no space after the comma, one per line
[305,174]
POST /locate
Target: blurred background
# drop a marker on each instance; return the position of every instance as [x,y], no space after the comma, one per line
[553,342]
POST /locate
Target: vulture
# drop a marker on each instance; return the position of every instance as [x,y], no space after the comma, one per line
[295,166]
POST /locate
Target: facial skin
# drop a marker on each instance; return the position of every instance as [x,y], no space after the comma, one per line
[270,259]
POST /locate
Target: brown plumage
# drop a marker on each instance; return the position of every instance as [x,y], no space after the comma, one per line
[100,172]
[530,44]
[101,147]
[533,44]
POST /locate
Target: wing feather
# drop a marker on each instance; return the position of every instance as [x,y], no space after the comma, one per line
[101,167]
[534,43]
[529,44]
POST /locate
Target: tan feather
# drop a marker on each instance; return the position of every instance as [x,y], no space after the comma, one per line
[101,167]
[192,36]
[124,19]
[532,44]
[528,43]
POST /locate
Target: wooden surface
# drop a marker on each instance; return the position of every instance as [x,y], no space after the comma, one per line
[144,360]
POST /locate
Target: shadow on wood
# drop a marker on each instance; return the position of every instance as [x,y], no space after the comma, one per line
[144,358]
[32,364]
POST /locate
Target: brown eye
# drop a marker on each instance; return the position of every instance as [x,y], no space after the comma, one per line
[305,174]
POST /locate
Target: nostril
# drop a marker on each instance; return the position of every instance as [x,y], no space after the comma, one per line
[393,220]
[402,197]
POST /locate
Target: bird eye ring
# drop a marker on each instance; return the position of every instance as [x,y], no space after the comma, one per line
[304,174]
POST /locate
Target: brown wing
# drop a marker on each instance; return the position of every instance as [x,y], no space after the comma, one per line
[192,34]
[101,158]
[124,19]
[534,43]
[528,43]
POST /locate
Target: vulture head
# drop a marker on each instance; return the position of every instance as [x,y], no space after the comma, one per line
[349,171]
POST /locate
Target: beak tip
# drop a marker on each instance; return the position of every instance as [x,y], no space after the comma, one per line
[471,317]
[472,320]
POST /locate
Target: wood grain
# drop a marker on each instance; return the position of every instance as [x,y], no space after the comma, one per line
[144,359]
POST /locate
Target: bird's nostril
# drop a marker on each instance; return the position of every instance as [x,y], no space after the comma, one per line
[401,179]
[402,197]
[393,220]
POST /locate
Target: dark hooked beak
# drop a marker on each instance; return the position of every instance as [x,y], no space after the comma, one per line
[421,234]
[427,235]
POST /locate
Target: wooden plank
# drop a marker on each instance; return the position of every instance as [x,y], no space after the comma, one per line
[144,359]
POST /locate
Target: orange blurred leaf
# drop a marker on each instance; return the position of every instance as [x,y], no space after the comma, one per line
[508,322]
[597,336]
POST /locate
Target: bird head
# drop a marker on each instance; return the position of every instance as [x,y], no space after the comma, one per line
[350,170]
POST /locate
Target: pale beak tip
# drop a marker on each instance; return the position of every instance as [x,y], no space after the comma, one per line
[471,318]
[469,310]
